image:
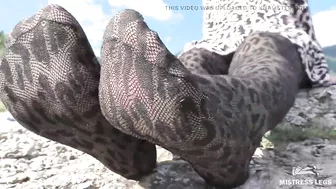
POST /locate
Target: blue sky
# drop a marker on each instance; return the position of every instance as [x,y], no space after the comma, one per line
[174,27]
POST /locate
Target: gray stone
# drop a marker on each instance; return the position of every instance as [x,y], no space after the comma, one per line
[313,108]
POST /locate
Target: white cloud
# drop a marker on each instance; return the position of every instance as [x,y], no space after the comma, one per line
[151,8]
[91,17]
[168,39]
[325,28]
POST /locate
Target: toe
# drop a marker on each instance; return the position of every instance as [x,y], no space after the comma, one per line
[54,13]
[120,22]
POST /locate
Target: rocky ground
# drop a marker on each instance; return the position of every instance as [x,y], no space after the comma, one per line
[300,154]
[30,161]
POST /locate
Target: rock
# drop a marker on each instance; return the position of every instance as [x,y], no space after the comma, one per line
[271,170]
[30,161]
[313,108]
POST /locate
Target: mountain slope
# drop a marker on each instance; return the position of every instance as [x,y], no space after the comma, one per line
[330,52]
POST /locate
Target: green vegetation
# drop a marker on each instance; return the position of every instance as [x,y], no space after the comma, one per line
[298,134]
[279,136]
[2,42]
[2,107]
[330,52]
[332,63]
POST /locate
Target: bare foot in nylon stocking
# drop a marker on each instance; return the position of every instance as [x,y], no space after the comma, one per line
[49,82]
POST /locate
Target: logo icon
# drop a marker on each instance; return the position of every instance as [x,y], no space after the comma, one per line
[307,170]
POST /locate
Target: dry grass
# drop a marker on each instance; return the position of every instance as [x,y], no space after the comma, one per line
[2,107]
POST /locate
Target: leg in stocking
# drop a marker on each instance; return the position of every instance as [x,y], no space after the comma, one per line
[213,121]
[49,78]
